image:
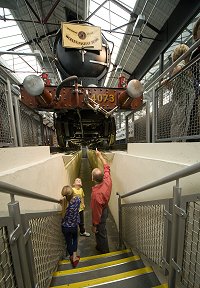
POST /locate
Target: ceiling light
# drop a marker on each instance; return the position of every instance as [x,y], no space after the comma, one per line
[119,68]
[139,22]
[140,38]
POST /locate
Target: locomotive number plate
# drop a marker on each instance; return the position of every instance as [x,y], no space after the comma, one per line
[102,98]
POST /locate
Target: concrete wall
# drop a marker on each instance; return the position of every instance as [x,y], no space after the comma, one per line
[144,163]
[34,169]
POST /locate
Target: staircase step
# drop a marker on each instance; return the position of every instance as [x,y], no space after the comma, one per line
[140,278]
[96,259]
[97,271]
[132,259]
[143,281]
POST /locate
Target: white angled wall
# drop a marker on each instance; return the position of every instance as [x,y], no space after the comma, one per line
[144,163]
[35,169]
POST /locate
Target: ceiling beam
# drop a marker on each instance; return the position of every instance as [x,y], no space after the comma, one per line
[44,21]
[93,13]
[168,34]
[33,11]
[119,4]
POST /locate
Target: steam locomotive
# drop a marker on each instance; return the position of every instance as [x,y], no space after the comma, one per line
[83,109]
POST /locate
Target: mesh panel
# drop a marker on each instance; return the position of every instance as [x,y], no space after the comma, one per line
[49,135]
[191,258]
[143,229]
[31,125]
[7,277]
[164,113]
[194,128]
[178,107]
[48,246]
[5,132]
[140,126]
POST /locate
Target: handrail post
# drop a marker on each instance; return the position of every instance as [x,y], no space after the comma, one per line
[120,221]
[173,267]
[14,212]
[154,116]
[11,112]
[148,136]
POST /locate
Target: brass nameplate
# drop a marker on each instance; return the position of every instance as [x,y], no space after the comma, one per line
[81,36]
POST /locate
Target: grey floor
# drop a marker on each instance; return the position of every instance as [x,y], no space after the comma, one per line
[86,245]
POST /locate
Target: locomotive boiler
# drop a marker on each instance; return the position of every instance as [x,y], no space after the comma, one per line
[83,109]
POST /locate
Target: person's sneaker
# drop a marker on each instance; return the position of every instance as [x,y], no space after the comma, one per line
[85,234]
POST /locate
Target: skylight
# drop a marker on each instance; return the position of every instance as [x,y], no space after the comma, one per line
[113,20]
[11,36]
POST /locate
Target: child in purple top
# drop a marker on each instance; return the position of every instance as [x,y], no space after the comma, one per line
[70,221]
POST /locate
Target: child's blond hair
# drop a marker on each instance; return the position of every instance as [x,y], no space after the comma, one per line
[67,192]
[178,51]
[77,182]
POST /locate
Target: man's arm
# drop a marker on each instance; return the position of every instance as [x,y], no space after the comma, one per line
[99,155]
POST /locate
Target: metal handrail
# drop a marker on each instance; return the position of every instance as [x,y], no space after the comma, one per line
[170,68]
[14,190]
[195,168]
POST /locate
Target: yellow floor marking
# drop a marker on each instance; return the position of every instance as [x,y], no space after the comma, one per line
[107,279]
[96,266]
[161,286]
[98,256]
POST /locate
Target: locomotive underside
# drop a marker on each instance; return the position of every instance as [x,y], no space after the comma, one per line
[84,127]
[83,116]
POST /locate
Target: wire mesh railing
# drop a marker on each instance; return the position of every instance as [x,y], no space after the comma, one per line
[7,272]
[190,276]
[19,124]
[47,244]
[166,231]
[6,137]
[178,107]
[172,109]
[31,244]
[143,228]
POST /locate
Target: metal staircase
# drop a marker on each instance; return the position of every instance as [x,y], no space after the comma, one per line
[114,269]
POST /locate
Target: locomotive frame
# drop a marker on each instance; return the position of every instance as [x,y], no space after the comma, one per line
[82,115]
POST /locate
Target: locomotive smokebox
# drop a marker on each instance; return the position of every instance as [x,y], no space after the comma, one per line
[81,50]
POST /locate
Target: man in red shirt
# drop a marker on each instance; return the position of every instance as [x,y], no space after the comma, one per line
[99,203]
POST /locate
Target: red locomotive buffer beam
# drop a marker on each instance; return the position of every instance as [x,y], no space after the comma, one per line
[130,98]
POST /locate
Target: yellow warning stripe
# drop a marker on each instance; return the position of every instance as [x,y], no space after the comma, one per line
[107,279]
[161,286]
[98,256]
[96,266]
